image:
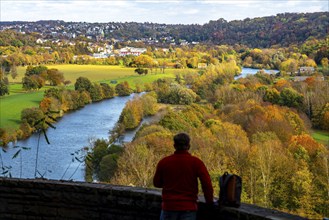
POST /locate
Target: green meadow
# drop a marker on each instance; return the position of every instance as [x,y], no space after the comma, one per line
[12,105]
[103,73]
[93,72]
[321,136]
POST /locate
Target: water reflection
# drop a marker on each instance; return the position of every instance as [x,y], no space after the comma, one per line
[246,71]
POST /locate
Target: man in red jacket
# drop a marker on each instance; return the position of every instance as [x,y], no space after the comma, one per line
[178,176]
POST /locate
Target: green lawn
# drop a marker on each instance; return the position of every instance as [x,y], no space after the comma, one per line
[12,105]
[321,136]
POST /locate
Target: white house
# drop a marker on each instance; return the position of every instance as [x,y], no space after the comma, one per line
[100,55]
[40,41]
[131,51]
[306,70]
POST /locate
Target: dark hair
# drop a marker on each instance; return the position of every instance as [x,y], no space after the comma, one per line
[182,141]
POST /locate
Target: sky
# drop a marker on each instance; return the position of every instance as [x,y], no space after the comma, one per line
[155,11]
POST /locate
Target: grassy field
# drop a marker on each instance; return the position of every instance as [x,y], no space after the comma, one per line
[321,136]
[100,73]
[137,79]
[12,105]
[95,73]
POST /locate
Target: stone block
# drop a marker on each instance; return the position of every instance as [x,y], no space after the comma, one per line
[31,210]
[47,211]
[14,208]
[69,213]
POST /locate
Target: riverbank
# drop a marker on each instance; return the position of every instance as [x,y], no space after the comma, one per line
[74,133]
[18,99]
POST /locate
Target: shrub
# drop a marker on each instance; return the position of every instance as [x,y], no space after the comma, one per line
[123,89]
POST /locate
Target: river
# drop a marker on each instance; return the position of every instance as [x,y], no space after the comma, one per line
[73,132]
[246,71]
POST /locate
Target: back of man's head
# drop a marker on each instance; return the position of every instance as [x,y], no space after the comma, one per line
[182,141]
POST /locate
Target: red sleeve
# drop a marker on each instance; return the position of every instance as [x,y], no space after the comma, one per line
[157,179]
[206,183]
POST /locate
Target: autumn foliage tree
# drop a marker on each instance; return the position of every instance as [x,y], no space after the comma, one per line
[3,88]
[55,77]
[259,141]
[83,83]
[214,77]
[312,174]
[123,89]
[36,77]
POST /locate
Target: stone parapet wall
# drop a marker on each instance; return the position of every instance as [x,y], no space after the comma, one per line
[49,199]
[44,199]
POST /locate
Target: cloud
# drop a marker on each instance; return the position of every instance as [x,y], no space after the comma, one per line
[191,11]
[227,2]
[156,11]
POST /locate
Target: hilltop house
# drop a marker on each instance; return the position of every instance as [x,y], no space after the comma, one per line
[40,41]
[100,55]
[306,70]
[202,65]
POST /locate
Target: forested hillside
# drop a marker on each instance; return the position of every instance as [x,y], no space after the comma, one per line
[256,127]
[281,30]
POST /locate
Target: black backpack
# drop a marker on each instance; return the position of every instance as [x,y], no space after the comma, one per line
[230,186]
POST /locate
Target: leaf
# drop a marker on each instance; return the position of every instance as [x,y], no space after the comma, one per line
[4,150]
[39,173]
[26,148]
[5,172]
[39,121]
[50,125]
[16,146]
[54,112]
[89,157]
[78,159]
[16,154]
[52,118]
[44,174]
[46,137]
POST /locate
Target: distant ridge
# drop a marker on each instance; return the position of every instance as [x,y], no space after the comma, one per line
[281,30]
